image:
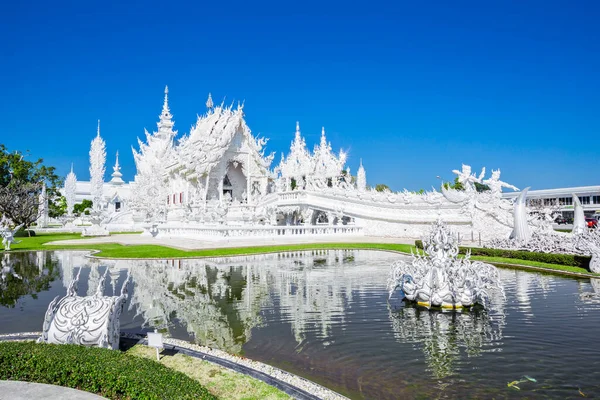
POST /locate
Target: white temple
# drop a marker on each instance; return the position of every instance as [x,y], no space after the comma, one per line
[217,181]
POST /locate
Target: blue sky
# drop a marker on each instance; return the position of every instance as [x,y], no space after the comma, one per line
[412,89]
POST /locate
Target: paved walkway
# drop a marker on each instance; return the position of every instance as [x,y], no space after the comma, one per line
[198,244]
[17,390]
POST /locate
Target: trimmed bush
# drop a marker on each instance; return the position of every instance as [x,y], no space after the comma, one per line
[550,258]
[24,233]
[108,373]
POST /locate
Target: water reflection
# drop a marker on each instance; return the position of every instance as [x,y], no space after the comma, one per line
[444,335]
[220,300]
[25,273]
[325,315]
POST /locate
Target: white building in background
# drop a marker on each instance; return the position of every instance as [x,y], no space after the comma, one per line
[589,196]
[217,181]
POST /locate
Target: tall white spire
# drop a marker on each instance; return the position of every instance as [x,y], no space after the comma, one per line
[209,102]
[70,189]
[117,175]
[166,123]
[97,161]
[361,178]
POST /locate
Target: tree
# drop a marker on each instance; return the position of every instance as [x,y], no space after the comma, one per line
[381,187]
[81,208]
[457,185]
[57,208]
[21,183]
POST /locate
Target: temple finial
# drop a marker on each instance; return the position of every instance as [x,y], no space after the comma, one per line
[71,167]
[209,102]
[98,134]
[297,127]
[117,162]
[166,89]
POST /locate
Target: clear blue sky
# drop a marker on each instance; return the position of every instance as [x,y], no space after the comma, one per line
[414,88]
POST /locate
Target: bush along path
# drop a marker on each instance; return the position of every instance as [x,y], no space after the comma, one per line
[108,373]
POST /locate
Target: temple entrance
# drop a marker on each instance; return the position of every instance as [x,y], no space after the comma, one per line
[235,183]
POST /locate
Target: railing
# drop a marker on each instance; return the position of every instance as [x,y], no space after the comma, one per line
[256,231]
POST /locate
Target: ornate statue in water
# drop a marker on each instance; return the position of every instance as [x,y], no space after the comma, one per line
[88,321]
[438,278]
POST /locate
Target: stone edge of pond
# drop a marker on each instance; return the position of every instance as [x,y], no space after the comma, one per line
[291,384]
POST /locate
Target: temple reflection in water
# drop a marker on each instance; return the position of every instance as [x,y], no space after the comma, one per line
[315,295]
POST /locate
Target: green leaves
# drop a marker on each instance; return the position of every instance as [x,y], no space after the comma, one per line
[109,373]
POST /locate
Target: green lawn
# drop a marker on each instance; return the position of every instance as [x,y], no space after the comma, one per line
[113,250]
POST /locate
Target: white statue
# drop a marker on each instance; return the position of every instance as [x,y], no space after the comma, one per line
[579,224]
[89,321]
[521,232]
[8,236]
[467,179]
[496,185]
[439,278]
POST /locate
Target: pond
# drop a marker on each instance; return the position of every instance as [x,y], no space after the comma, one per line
[325,315]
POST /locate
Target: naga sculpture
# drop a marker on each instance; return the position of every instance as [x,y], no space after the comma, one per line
[8,236]
[438,278]
[89,321]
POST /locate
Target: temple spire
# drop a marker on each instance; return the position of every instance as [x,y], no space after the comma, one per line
[297,129]
[117,175]
[98,133]
[209,102]
[165,124]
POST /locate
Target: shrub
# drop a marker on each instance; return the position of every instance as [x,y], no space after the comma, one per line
[550,258]
[109,373]
[24,233]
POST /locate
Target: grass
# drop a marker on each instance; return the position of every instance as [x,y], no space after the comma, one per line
[527,263]
[221,382]
[114,250]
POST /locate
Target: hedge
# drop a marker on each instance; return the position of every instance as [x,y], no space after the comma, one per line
[570,260]
[108,373]
[24,233]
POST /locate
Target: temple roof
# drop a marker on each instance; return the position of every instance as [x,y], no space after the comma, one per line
[214,133]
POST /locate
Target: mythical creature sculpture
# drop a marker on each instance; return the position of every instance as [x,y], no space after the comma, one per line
[8,236]
[89,321]
[496,185]
[488,211]
[467,179]
[439,278]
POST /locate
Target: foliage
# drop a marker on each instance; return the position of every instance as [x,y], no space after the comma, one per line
[382,187]
[30,281]
[80,208]
[58,207]
[109,373]
[21,183]
[24,233]
[547,258]
[457,185]
[20,201]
